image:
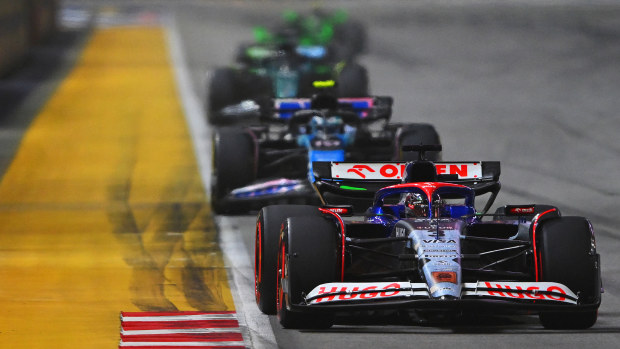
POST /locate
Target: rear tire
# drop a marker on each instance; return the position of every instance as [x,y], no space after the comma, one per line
[352,81]
[568,257]
[269,222]
[307,258]
[417,134]
[234,166]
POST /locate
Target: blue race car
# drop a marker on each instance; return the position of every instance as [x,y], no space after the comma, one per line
[423,246]
[272,160]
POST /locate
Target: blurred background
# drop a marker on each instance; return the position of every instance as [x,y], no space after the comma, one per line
[533,84]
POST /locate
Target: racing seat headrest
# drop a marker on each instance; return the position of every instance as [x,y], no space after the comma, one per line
[324,101]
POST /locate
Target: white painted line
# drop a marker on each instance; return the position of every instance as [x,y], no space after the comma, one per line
[258,333]
[180,331]
[179,318]
[196,121]
[180,344]
[243,277]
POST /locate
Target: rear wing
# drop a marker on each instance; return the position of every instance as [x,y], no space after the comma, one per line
[367,108]
[363,179]
[282,109]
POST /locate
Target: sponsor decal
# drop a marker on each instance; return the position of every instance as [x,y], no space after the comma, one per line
[432,229]
[527,291]
[515,211]
[396,170]
[326,143]
[437,268]
[437,288]
[524,291]
[360,291]
[400,231]
[444,276]
[462,170]
[439,241]
[343,211]
[390,171]
[359,170]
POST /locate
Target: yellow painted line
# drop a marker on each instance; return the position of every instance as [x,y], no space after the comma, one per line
[102,209]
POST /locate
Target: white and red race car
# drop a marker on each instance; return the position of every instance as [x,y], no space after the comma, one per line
[423,246]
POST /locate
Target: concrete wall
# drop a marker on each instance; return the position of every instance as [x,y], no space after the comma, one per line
[23,23]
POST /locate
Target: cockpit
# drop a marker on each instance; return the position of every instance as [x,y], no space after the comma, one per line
[425,200]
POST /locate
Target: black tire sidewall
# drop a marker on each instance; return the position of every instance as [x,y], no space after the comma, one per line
[234,164]
[565,245]
[352,81]
[223,88]
[268,228]
[310,245]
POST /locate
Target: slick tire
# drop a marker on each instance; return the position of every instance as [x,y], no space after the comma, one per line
[417,134]
[223,88]
[269,222]
[234,166]
[568,256]
[352,81]
[307,257]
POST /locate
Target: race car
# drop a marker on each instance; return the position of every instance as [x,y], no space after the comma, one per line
[318,27]
[423,246]
[285,63]
[272,160]
[281,71]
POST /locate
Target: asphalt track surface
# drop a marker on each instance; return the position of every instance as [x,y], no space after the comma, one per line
[534,86]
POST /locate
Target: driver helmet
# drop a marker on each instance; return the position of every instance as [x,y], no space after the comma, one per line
[333,124]
[326,125]
[415,205]
[317,123]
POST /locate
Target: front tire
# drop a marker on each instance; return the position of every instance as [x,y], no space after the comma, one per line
[234,166]
[223,91]
[568,256]
[269,222]
[307,257]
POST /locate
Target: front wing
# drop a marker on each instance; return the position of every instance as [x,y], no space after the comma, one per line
[347,296]
[265,192]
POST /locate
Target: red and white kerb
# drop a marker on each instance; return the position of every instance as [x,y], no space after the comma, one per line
[180,330]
